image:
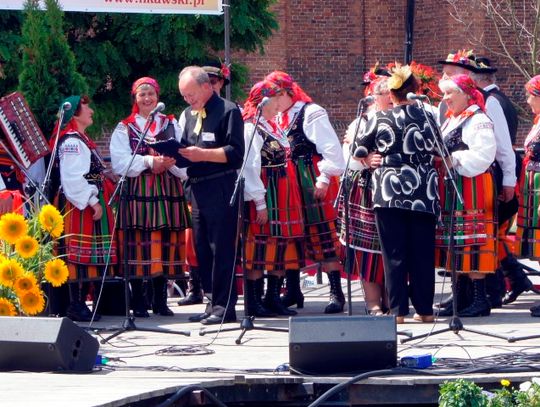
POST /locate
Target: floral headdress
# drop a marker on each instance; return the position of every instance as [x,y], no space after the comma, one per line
[371,77]
[429,80]
[285,82]
[468,86]
[400,75]
[146,80]
[463,58]
[220,70]
[256,95]
[533,86]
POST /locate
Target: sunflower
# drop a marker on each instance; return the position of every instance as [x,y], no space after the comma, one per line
[32,302]
[27,247]
[56,272]
[51,221]
[7,309]
[10,270]
[12,227]
[25,282]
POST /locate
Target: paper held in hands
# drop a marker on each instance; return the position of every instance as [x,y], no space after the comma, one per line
[170,148]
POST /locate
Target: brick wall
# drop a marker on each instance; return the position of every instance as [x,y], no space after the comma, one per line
[327,46]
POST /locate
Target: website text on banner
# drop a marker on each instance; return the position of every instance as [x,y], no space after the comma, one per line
[130,6]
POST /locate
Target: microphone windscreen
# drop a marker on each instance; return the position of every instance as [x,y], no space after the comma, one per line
[361,152]
[368,100]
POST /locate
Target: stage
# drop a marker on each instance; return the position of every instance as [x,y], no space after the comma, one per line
[145,368]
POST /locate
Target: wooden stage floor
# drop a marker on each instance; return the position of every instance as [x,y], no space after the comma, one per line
[145,367]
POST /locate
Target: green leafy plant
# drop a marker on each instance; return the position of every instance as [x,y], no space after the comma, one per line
[461,393]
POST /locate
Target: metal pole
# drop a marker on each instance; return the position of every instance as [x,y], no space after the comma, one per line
[227,34]
[409,31]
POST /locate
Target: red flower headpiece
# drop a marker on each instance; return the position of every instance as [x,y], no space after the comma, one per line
[533,86]
[256,94]
[468,86]
[283,81]
[429,80]
[225,71]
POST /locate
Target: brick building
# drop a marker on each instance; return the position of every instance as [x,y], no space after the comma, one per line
[327,46]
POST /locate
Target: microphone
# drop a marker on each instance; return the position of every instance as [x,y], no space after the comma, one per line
[159,108]
[414,96]
[66,106]
[367,100]
[264,102]
[361,152]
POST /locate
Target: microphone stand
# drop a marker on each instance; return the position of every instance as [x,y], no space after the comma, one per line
[46,181]
[345,190]
[238,194]
[455,325]
[129,321]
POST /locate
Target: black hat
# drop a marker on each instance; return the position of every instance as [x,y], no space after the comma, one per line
[218,70]
[484,65]
[463,58]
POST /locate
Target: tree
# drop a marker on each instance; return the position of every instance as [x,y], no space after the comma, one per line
[113,50]
[516,25]
[49,72]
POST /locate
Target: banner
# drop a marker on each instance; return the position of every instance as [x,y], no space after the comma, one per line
[130,6]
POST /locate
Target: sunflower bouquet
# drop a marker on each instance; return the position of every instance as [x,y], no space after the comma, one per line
[27,259]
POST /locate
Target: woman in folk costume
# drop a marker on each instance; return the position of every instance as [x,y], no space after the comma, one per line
[405,198]
[316,153]
[364,246]
[276,228]
[528,219]
[468,136]
[156,209]
[88,242]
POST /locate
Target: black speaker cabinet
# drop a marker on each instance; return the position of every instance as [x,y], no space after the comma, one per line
[322,345]
[45,345]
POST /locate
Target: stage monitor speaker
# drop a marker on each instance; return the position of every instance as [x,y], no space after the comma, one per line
[45,345]
[342,344]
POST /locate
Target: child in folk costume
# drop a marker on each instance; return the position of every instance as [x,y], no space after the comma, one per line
[316,153]
[528,219]
[276,227]
[156,209]
[468,135]
[88,243]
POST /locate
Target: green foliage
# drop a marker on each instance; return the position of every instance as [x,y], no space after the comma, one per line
[464,393]
[461,393]
[113,50]
[48,72]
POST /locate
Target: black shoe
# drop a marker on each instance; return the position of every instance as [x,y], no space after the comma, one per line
[191,298]
[535,310]
[141,314]
[164,311]
[79,312]
[217,319]
[518,288]
[198,317]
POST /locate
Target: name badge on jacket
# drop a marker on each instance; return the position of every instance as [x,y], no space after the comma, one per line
[208,136]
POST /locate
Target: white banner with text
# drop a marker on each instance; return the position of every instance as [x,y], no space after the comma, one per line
[130,6]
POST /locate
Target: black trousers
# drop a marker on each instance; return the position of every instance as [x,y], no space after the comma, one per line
[408,251]
[215,225]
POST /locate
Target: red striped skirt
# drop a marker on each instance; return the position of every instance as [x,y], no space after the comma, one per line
[528,221]
[475,225]
[283,203]
[89,246]
[274,253]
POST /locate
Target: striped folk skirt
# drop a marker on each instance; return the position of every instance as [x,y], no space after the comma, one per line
[320,216]
[528,222]
[89,247]
[474,225]
[364,244]
[274,253]
[156,217]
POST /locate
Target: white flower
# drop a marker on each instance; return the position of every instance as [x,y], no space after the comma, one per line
[525,386]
